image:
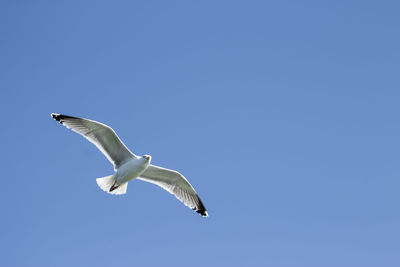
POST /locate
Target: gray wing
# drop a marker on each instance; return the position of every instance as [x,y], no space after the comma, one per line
[176,184]
[102,136]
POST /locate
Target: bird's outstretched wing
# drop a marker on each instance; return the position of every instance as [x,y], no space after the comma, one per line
[102,136]
[176,184]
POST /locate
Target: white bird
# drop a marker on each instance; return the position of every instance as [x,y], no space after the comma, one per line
[128,166]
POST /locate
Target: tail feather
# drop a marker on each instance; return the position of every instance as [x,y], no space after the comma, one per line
[108,185]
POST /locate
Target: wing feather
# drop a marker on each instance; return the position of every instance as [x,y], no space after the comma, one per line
[176,184]
[101,135]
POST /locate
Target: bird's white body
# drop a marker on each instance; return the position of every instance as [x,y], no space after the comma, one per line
[131,170]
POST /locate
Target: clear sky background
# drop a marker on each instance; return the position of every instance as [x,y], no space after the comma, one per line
[284,116]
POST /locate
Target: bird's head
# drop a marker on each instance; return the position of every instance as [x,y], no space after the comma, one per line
[147,157]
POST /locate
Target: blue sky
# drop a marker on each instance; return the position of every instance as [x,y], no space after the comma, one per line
[284,116]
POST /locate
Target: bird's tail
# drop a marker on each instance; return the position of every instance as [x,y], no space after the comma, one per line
[108,185]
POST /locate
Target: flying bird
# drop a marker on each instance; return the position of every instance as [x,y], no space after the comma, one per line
[128,166]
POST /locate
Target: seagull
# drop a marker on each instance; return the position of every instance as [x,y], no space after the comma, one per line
[128,166]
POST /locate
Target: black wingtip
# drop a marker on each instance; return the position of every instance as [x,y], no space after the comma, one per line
[203,213]
[61,117]
[55,116]
[201,209]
